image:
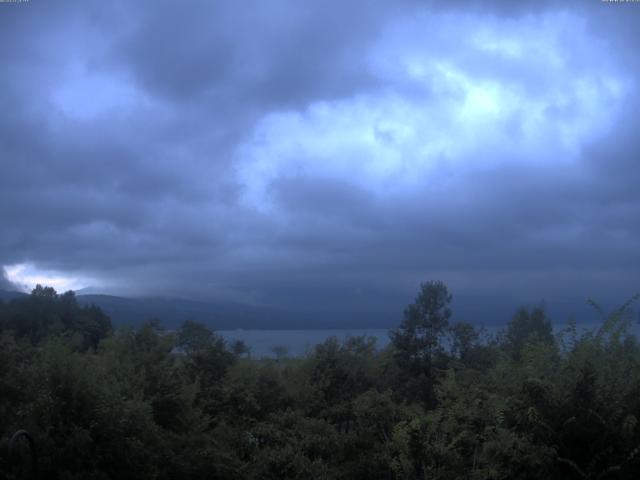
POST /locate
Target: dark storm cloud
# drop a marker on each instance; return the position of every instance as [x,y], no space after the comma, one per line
[276,53]
[323,155]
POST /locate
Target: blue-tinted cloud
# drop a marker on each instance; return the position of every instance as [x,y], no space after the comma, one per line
[321,154]
[508,92]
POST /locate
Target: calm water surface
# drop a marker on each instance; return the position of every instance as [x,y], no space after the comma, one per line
[298,342]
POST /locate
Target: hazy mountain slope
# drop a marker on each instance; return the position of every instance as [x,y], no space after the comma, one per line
[222,315]
[10,295]
[173,311]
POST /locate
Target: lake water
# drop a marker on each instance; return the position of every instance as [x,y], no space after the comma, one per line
[298,342]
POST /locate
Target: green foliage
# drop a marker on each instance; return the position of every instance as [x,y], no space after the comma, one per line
[439,402]
[45,313]
[526,327]
[418,341]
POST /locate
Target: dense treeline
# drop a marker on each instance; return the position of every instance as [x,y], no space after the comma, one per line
[440,402]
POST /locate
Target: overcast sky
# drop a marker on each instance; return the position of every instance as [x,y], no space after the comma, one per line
[327,155]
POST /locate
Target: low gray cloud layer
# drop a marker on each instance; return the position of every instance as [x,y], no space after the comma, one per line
[325,156]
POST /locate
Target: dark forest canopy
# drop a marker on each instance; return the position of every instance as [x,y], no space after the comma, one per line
[441,401]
